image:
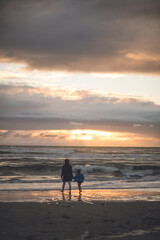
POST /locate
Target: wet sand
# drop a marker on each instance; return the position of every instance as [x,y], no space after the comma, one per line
[88,195]
[58,220]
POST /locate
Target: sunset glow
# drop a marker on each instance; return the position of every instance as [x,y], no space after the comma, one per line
[66,81]
[75,137]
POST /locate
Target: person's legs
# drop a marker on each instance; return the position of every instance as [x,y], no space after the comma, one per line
[69,184]
[63,185]
[79,186]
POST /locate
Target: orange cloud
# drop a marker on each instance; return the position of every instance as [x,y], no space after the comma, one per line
[76,137]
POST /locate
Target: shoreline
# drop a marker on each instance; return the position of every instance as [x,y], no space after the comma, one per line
[80,220]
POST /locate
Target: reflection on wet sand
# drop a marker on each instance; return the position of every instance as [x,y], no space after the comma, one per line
[67,196]
[88,195]
[100,195]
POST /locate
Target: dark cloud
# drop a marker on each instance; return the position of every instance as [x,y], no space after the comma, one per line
[64,124]
[9,133]
[49,135]
[6,133]
[17,101]
[22,135]
[29,108]
[73,35]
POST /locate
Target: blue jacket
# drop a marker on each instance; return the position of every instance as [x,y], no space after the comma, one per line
[78,178]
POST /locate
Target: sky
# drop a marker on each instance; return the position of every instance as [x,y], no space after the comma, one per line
[80,72]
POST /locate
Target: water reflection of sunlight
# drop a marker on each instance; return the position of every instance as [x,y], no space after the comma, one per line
[87,195]
[90,195]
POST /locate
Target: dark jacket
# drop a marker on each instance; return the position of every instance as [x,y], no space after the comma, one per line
[66,174]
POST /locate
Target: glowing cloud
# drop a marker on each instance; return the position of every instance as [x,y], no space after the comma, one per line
[76,137]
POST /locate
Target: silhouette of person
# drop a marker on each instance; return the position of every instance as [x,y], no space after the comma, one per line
[66,174]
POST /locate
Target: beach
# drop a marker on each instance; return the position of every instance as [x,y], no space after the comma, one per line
[58,220]
[120,196]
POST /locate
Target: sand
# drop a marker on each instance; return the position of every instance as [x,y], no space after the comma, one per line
[79,220]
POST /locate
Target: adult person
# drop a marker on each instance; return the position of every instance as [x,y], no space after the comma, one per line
[66,174]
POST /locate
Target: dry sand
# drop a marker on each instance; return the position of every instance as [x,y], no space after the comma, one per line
[79,220]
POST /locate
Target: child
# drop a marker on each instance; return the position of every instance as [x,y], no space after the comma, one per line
[79,178]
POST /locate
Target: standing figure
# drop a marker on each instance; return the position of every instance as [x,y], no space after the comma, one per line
[79,178]
[66,174]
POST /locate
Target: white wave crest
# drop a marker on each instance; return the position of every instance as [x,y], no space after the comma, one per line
[138,173]
[92,169]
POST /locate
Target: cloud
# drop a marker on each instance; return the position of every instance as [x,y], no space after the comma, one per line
[16,134]
[48,135]
[90,36]
[137,125]
[76,123]
[37,108]
[25,101]
[151,125]
[5,133]
[75,137]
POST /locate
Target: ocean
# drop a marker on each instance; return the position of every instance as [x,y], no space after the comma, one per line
[32,168]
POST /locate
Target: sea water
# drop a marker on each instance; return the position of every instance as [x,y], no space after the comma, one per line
[24,168]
